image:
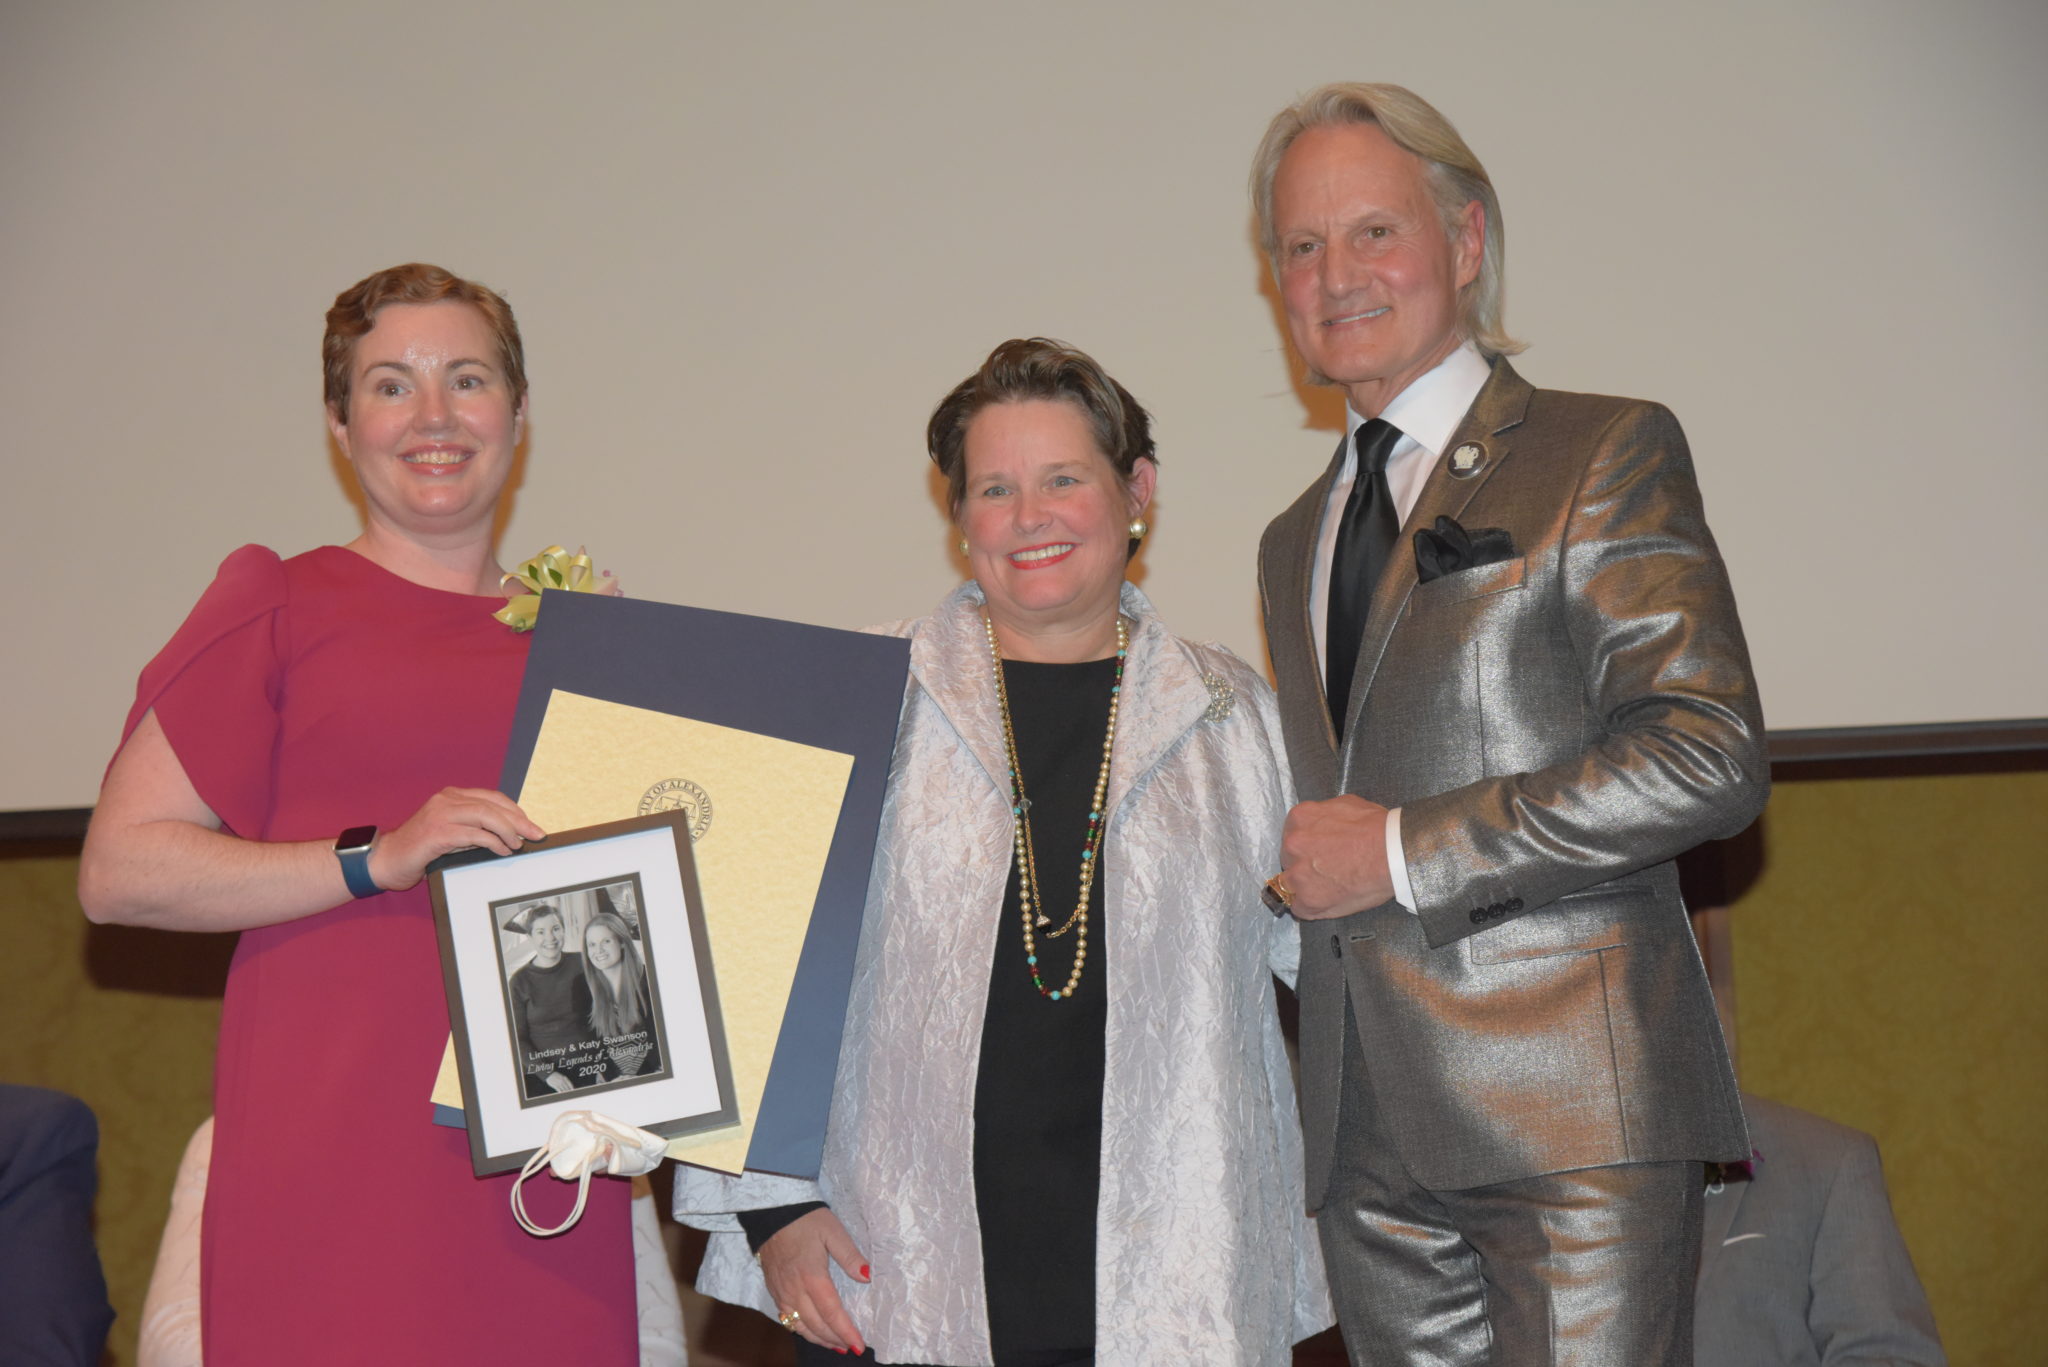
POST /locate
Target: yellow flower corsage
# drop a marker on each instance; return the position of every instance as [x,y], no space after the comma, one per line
[553,568]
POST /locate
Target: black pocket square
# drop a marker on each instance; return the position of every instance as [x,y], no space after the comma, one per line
[1448,548]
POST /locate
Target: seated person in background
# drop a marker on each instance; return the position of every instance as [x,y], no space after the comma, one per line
[53,1297]
[550,1002]
[1801,1262]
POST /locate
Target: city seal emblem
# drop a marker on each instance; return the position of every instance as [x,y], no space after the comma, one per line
[679,795]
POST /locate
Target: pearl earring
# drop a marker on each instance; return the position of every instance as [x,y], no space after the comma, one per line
[963,545]
[1139,526]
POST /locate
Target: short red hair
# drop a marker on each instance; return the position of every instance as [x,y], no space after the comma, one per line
[355,313]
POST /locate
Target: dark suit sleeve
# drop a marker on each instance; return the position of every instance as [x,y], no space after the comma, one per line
[762,1225]
[1868,1307]
[1672,746]
[53,1298]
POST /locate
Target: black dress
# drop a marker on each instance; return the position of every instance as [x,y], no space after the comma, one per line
[1038,1092]
[1038,1095]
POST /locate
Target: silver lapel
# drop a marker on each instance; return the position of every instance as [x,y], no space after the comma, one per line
[1498,409]
[1300,530]
[1163,698]
[950,661]
[1163,693]
[1319,513]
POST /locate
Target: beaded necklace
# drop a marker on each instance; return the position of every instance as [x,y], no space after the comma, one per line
[1020,807]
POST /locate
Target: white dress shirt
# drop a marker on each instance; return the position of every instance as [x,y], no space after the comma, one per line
[1428,412]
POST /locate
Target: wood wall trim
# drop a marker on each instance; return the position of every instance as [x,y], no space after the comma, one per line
[1823,752]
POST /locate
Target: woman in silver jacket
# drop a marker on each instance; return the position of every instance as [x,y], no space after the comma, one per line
[1063,1129]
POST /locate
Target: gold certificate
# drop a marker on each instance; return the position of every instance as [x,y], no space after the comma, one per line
[762,814]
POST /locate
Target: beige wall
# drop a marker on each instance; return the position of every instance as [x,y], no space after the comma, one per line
[752,244]
[1888,962]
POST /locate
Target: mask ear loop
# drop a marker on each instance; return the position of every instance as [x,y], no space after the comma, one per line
[534,1165]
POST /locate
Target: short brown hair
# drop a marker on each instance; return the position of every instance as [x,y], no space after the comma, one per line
[1039,368]
[1455,176]
[355,313]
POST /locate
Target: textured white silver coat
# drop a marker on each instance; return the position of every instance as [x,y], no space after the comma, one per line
[1203,1252]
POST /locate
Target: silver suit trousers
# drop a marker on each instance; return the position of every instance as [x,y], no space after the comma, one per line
[1591,1268]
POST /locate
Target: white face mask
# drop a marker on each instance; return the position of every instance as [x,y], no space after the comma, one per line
[581,1144]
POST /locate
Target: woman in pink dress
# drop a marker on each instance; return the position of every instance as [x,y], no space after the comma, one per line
[364,690]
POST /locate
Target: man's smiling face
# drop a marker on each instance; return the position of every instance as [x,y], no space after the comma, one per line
[1368,276]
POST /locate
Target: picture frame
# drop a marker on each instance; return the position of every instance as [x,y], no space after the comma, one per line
[580,977]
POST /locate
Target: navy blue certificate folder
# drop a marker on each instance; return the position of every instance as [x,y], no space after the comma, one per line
[839,690]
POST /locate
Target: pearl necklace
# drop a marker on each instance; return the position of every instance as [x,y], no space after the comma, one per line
[1020,806]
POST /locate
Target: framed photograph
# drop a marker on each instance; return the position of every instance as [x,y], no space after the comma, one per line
[579,977]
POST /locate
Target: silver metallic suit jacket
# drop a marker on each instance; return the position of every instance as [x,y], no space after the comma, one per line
[1555,727]
[1204,1253]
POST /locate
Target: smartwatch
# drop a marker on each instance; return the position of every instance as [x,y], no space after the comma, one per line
[352,848]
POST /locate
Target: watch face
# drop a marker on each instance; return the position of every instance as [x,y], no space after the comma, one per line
[355,838]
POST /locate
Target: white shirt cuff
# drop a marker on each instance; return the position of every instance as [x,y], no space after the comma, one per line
[1397,863]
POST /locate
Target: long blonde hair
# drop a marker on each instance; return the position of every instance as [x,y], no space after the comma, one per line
[1455,178]
[623,1012]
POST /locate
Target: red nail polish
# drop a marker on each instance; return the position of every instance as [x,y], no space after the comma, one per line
[863,1271]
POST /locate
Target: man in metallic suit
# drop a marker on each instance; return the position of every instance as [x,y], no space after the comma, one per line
[1514,688]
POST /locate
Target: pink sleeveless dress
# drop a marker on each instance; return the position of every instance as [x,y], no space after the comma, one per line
[341,1226]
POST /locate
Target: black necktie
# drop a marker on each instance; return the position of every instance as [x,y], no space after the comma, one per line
[1365,544]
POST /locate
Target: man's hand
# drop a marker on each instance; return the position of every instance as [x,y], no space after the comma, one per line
[1334,857]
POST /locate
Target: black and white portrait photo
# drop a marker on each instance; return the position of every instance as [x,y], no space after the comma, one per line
[581,1001]
[577,968]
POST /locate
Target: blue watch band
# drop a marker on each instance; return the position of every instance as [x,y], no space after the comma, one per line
[352,848]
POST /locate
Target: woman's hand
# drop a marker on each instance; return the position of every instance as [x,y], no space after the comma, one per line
[794,1260]
[452,819]
[559,1082]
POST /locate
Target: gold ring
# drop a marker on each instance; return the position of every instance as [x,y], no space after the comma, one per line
[1277,896]
[788,1318]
